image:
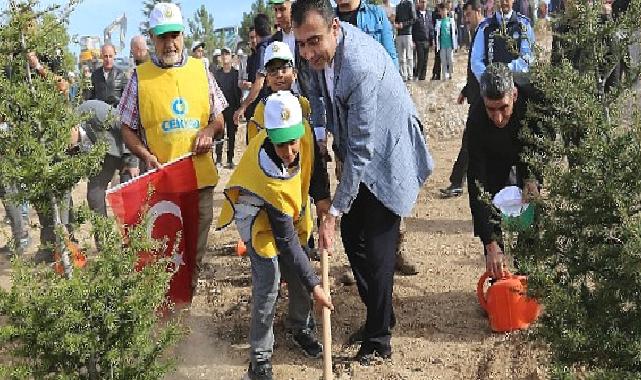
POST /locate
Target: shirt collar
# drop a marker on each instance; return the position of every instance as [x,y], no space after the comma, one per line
[499,15]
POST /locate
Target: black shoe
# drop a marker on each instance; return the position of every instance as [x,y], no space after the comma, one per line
[369,352]
[451,191]
[263,371]
[307,342]
[43,256]
[356,336]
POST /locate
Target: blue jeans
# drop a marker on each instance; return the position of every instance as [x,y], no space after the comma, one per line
[266,274]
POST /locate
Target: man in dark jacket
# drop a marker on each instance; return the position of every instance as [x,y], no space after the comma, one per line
[436,70]
[107,81]
[494,126]
[258,89]
[227,79]
[118,157]
[473,16]
[405,16]
[423,35]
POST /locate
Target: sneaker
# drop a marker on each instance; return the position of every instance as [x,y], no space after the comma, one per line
[451,191]
[230,165]
[306,341]
[263,371]
[219,164]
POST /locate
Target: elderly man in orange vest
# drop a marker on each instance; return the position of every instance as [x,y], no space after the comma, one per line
[171,107]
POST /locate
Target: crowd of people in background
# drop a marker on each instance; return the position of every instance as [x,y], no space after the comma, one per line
[321,74]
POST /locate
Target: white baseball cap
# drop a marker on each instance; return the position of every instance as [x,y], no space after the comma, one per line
[217,52]
[283,117]
[165,17]
[197,44]
[278,50]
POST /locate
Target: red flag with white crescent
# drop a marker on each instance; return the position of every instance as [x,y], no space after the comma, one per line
[172,209]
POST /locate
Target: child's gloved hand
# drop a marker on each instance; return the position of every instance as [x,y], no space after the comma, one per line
[321,299]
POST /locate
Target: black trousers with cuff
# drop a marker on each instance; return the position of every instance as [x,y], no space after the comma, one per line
[230,131]
[370,233]
[459,170]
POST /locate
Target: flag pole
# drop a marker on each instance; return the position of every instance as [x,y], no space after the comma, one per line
[328,374]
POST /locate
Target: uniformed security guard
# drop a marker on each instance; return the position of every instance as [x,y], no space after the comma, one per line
[506,37]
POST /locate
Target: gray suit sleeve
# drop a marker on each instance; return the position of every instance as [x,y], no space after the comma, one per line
[289,246]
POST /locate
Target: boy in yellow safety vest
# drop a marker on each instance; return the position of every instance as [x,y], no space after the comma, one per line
[280,75]
[268,199]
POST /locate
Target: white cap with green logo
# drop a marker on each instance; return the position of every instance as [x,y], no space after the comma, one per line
[283,117]
[278,50]
[164,18]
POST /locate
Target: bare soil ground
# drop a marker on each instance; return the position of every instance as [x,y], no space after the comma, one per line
[441,331]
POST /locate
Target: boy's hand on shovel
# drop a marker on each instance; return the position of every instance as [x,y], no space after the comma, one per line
[321,300]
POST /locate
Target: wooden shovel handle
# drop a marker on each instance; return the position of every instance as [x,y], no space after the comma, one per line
[328,374]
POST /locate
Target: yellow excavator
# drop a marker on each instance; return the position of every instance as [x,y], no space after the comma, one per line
[90,45]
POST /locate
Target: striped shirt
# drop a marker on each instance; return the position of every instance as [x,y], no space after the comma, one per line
[128,107]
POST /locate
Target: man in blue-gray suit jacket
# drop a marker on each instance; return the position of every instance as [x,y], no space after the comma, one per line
[378,139]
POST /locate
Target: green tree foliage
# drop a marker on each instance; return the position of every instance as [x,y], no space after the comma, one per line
[35,147]
[259,6]
[201,28]
[583,258]
[103,323]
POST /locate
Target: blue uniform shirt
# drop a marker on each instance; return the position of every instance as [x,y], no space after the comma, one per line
[518,66]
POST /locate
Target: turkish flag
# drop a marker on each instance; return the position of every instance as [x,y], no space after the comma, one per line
[172,210]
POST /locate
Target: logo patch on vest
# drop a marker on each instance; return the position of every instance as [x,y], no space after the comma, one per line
[180,108]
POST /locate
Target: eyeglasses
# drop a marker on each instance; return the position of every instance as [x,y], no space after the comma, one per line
[274,70]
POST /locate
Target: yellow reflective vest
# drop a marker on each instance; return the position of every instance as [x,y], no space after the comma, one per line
[290,195]
[174,105]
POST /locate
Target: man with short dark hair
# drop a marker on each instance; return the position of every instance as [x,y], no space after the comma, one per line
[404,19]
[473,16]
[496,147]
[227,79]
[423,36]
[258,90]
[379,143]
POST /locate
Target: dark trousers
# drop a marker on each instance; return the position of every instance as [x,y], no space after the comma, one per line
[48,224]
[370,234]
[436,70]
[230,130]
[422,50]
[98,184]
[459,170]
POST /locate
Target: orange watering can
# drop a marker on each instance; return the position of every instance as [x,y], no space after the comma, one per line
[507,304]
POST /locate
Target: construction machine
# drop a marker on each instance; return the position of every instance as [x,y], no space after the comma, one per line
[120,23]
[90,45]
